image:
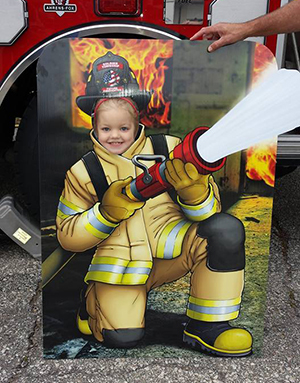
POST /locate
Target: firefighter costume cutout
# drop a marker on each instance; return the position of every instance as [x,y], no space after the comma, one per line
[142,244]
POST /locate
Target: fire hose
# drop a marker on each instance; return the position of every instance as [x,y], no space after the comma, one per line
[153,182]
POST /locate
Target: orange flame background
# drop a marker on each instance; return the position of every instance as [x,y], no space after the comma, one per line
[261,163]
[261,159]
[147,59]
[264,62]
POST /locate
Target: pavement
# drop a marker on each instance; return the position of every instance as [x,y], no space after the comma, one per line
[21,321]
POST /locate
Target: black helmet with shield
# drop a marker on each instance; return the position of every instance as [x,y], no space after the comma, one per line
[111,77]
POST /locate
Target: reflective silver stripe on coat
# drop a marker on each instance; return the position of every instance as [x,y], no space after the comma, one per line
[93,220]
[65,209]
[199,212]
[213,310]
[170,242]
[120,269]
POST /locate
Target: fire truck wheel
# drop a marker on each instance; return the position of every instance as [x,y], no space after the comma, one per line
[26,159]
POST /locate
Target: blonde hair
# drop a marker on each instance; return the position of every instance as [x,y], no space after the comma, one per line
[117,103]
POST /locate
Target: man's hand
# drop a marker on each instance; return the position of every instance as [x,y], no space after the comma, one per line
[191,187]
[223,33]
[116,206]
[283,20]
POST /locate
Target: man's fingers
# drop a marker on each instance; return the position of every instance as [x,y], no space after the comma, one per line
[210,33]
[216,45]
[210,36]
[211,48]
[221,32]
[198,34]
[207,33]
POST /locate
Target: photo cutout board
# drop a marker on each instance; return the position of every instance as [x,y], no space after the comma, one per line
[162,266]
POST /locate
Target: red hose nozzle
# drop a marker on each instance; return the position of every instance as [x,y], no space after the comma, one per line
[141,189]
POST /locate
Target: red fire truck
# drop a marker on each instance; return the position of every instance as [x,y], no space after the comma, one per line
[27,27]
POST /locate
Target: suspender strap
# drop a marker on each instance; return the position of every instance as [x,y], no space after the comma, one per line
[160,146]
[96,173]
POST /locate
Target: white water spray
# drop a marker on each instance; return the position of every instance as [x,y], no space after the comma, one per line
[270,109]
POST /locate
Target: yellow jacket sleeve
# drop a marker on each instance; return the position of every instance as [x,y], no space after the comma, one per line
[205,209]
[80,225]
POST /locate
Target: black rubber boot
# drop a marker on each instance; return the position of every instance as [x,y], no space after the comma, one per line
[218,338]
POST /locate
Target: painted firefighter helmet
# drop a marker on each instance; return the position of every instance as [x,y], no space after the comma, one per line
[111,77]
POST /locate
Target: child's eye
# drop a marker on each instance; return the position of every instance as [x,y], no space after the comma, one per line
[124,128]
[105,129]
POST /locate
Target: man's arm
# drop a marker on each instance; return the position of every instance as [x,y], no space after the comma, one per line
[283,20]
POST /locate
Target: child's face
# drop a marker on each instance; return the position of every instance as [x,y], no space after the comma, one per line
[115,129]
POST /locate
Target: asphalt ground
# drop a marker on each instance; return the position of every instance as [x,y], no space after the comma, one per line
[21,321]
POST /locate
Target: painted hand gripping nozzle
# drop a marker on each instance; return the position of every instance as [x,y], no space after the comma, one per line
[144,238]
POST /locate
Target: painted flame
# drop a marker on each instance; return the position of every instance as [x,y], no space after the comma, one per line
[264,64]
[147,59]
[261,159]
[261,163]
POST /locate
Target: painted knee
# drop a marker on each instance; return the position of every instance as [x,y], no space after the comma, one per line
[122,338]
[225,236]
